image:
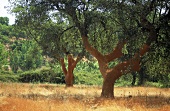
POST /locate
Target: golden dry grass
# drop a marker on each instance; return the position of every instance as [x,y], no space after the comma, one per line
[50,97]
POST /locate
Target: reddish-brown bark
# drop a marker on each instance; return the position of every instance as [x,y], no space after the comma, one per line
[69,76]
[116,52]
[110,75]
[133,64]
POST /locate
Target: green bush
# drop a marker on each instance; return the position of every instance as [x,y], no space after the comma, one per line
[164,80]
[7,76]
[153,84]
[88,78]
[124,80]
[41,75]
[87,66]
[4,39]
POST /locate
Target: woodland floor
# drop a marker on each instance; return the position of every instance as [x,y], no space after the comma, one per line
[52,97]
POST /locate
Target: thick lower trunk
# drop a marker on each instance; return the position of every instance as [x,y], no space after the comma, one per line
[69,79]
[108,89]
[141,75]
[108,85]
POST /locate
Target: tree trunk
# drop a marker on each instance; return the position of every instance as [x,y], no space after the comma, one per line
[68,73]
[133,78]
[108,88]
[113,74]
[110,75]
[109,80]
[69,78]
[141,75]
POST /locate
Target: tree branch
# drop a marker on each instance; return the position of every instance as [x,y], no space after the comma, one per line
[117,52]
[66,30]
[133,64]
[63,66]
[91,49]
[70,60]
[76,61]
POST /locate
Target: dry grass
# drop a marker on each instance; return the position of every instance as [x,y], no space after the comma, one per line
[50,97]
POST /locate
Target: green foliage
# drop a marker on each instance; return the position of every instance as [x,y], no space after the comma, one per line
[5,29]
[16,32]
[8,31]
[88,78]
[87,73]
[3,55]
[41,75]
[4,39]
[6,76]
[164,80]
[25,55]
[154,84]
[124,80]
[4,20]
[157,65]
[90,66]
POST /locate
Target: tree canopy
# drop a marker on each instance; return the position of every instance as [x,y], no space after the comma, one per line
[4,20]
[121,30]
[103,21]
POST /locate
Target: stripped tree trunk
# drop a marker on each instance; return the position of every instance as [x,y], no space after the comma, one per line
[68,73]
[110,75]
[130,65]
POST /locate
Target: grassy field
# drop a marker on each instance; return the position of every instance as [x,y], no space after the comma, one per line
[52,97]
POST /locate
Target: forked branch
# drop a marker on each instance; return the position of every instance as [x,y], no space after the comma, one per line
[117,52]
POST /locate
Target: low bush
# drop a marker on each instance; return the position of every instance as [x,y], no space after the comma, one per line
[41,75]
[152,84]
[164,80]
[7,76]
[88,78]
[124,80]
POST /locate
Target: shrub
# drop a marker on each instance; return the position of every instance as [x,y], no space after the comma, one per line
[41,75]
[124,80]
[88,78]
[7,76]
[164,80]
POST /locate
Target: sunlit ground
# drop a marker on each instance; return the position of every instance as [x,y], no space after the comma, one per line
[51,97]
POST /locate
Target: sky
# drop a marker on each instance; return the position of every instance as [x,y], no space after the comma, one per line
[5,13]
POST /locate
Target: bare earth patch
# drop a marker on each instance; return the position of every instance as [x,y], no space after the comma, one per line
[51,97]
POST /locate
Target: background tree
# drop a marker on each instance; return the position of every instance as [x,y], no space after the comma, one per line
[54,29]
[60,46]
[25,55]
[4,21]
[158,15]
[5,28]
[3,55]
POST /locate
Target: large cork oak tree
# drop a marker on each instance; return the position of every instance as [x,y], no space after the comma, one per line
[110,75]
